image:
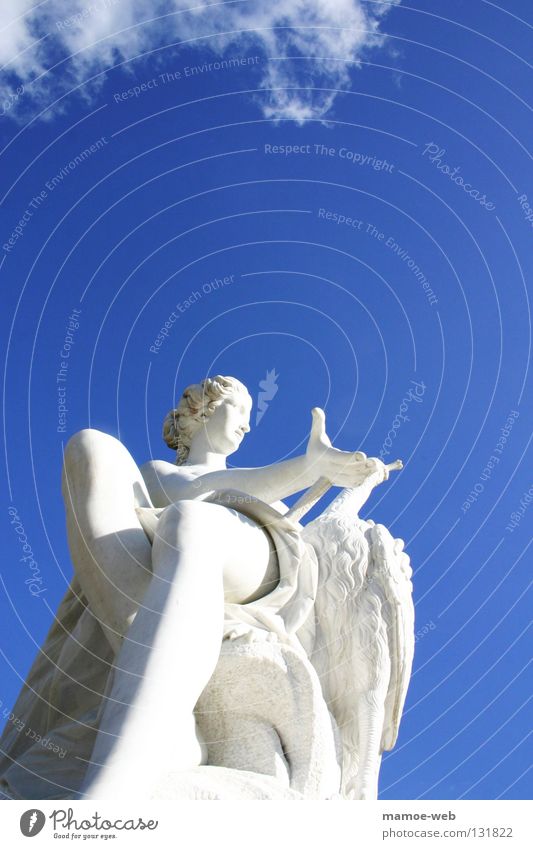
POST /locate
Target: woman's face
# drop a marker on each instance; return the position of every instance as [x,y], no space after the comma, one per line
[225,428]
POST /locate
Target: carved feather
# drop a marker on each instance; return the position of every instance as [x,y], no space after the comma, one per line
[364,622]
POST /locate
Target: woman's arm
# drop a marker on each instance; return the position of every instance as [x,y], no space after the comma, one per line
[167,483]
[269,483]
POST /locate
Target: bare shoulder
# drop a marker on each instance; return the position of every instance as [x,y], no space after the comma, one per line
[165,468]
[165,481]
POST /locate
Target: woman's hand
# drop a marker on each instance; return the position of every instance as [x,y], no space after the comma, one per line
[341,468]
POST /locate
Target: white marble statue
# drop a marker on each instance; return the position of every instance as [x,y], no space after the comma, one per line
[198,602]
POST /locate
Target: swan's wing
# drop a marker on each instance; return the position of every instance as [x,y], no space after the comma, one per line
[390,567]
[342,553]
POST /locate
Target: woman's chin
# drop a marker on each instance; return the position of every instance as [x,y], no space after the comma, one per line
[233,447]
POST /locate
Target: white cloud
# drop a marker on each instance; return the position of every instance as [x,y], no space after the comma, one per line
[16,39]
[310,42]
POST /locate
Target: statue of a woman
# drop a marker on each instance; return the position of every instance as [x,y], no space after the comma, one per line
[202,554]
[162,554]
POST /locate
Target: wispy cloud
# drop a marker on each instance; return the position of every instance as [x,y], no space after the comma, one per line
[55,45]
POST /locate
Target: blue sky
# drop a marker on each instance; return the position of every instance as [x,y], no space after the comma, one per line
[362,225]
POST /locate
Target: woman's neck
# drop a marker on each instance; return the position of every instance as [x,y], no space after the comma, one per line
[210,461]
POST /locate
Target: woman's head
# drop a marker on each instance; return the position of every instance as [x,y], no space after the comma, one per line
[198,404]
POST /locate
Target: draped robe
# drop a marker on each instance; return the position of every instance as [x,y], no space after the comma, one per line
[45,747]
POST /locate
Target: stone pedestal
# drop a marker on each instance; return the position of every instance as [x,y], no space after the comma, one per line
[264,712]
